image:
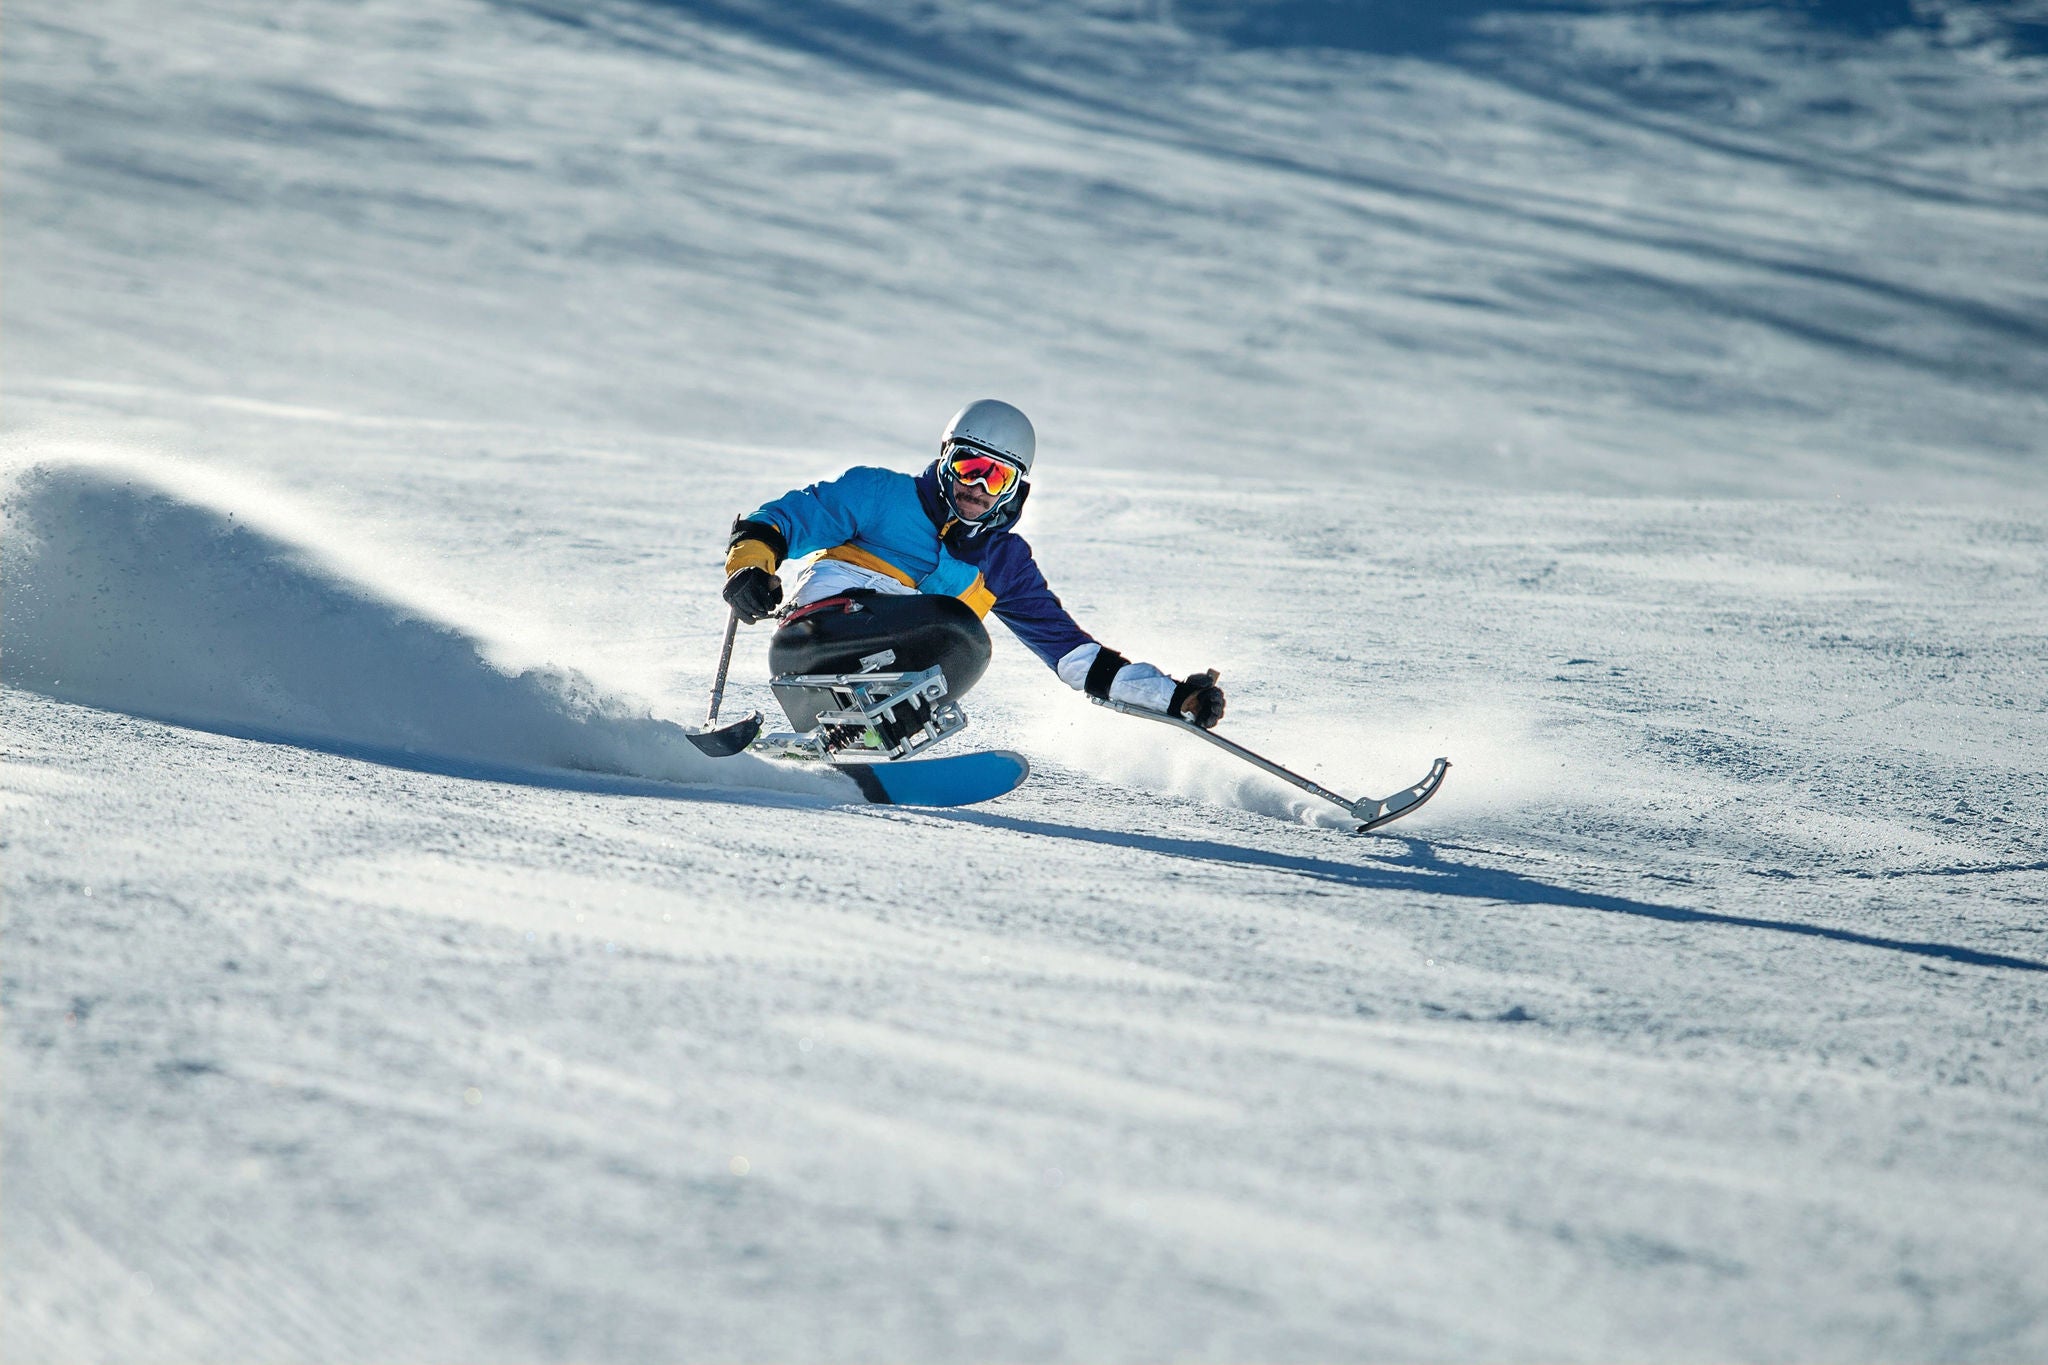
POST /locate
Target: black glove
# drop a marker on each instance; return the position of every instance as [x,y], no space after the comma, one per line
[754,594]
[1198,698]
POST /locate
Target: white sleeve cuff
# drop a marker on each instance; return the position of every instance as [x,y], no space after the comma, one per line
[1074,665]
[1134,684]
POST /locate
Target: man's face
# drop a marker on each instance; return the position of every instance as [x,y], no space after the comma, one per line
[973,500]
[970,476]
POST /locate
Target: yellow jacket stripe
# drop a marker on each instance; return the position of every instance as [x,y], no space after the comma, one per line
[977,595]
[853,554]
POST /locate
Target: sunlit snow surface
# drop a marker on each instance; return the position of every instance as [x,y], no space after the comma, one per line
[1639,404]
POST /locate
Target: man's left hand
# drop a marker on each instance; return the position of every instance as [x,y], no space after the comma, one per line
[1197,698]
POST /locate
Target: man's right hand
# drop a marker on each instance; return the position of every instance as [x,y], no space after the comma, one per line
[754,593]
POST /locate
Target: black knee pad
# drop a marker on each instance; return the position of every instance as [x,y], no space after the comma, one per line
[847,633]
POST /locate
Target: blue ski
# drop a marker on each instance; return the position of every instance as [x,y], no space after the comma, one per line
[955,780]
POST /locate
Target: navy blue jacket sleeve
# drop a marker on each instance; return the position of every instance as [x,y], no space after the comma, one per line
[1026,603]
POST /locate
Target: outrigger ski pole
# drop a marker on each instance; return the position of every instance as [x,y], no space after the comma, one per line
[732,628]
[724,741]
[1371,812]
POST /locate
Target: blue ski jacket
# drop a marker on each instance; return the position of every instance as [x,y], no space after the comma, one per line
[899,525]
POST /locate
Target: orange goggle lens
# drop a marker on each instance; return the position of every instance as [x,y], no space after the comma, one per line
[992,474]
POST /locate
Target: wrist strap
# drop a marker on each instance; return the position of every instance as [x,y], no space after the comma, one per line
[1108,663]
[766,532]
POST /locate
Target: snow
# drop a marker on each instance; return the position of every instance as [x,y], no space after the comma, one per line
[170,593]
[1640,405]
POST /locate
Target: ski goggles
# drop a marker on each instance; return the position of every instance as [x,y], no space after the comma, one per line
[997,477]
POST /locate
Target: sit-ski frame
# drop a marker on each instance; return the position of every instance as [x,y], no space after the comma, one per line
[871,699]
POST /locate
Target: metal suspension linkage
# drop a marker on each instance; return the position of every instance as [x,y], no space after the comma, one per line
[908,712]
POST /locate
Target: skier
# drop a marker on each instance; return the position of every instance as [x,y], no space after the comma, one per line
[912,563]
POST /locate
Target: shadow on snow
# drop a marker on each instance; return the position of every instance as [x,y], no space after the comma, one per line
[1421,869]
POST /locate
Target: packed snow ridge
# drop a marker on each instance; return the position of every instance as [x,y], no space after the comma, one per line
[170,593]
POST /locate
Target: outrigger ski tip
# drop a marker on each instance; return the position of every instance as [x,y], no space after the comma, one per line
[1377,813]
[1370,812]
[723,741]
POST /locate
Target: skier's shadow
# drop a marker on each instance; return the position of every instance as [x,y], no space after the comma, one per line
[1420,868]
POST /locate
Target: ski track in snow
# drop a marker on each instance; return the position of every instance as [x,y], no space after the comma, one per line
[385,978]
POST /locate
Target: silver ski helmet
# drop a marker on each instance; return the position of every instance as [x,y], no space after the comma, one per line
[992,428]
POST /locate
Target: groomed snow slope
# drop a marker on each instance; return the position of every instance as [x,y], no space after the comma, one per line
[1697,247]
[384,980]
